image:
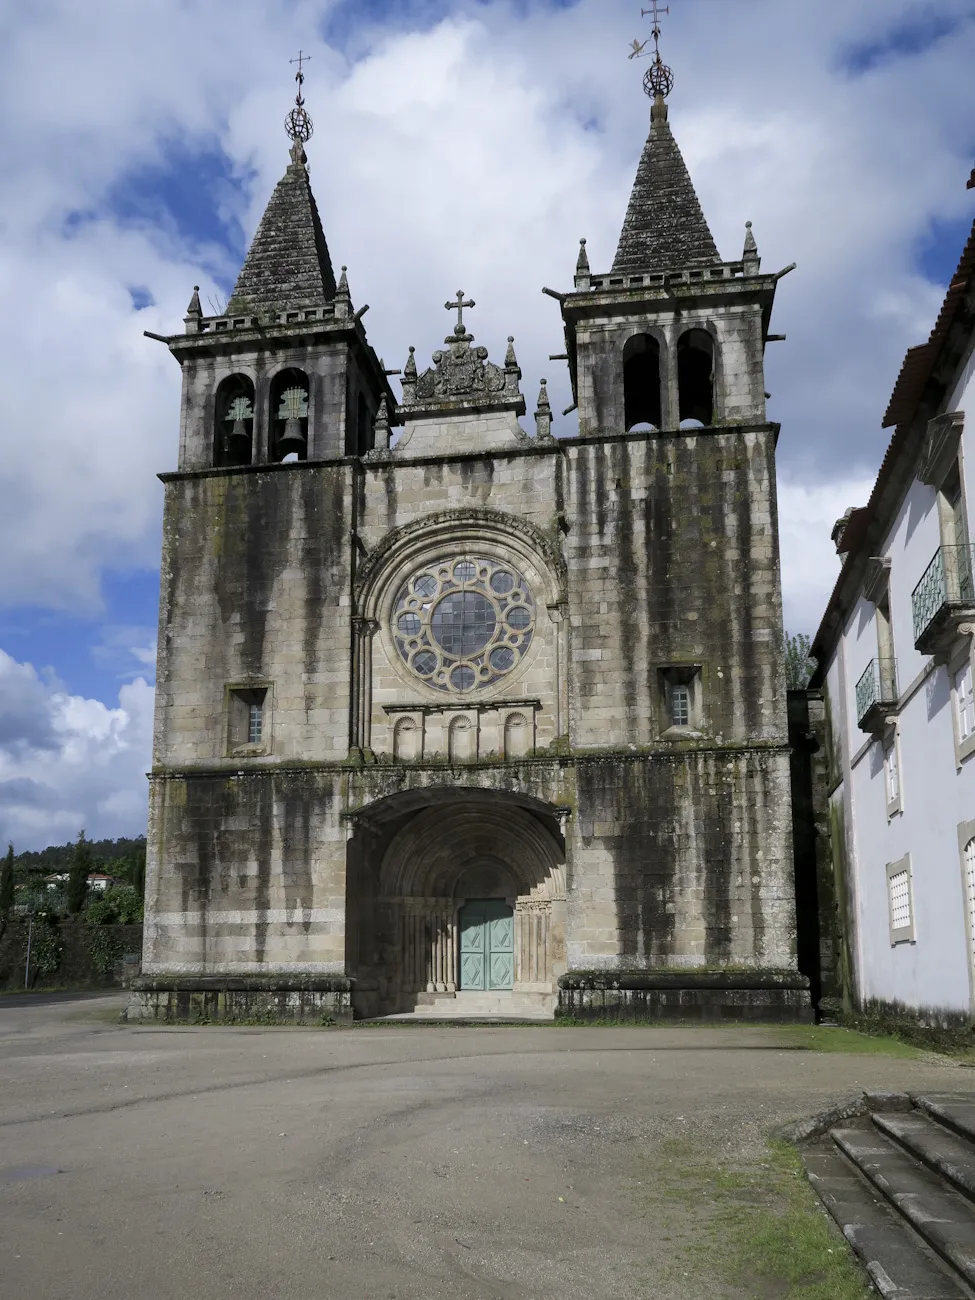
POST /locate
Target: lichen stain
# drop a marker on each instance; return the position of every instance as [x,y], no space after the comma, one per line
[251,552]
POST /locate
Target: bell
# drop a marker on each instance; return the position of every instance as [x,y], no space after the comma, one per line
[292,440]
[239,444]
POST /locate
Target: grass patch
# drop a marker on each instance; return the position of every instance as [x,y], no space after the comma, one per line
[748,1230]
[831,1038]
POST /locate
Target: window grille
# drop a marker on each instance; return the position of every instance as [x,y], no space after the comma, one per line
[899,885]
[893,773]
[680,706]
[255,724]
[965,703]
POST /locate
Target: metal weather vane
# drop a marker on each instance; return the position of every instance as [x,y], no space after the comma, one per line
[298,123]
[659,79]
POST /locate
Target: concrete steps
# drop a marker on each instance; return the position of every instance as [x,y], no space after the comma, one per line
[900,1182]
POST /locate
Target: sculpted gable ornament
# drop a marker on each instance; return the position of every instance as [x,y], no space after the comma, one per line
[460,372]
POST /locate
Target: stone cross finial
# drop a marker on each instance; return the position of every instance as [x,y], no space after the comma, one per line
[458,307]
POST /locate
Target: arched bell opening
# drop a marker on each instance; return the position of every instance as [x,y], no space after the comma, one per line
[465,895]
[289,416]
[641,382]
[233,434]
[695,377]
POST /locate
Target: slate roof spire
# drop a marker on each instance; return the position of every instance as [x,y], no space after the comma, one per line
[288,264]
[665,229]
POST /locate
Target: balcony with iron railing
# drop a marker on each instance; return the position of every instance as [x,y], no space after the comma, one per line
[943,598]
[876,694]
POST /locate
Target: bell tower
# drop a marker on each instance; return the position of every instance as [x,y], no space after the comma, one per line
[672,336]
[285,372]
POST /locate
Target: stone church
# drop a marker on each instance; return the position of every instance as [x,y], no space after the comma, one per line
[455,716]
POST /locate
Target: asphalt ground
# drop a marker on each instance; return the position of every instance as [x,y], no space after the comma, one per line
[145,1163]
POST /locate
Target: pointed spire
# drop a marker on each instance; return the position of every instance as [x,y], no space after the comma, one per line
[665,229]
[543,416]
[582,265]
[381,442]
[750,255]
[288,263]
[194,313]
[512,370]
[409,378]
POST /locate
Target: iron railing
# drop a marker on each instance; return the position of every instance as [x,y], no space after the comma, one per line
[947,581]
[878,685]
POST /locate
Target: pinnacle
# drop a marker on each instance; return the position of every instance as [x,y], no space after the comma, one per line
[665,229]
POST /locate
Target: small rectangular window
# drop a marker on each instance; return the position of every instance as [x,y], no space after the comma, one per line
[255,723]
[899,901]
[965,703]
[247,719]
[681,700]
[680,706]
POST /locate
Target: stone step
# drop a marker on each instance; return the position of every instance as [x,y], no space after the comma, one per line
[900,1265]
[938,1148]
[954,1112]
[939,1214]
[517,1006]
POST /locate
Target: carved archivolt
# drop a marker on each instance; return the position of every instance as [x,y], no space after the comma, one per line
[449,531]
[430,855]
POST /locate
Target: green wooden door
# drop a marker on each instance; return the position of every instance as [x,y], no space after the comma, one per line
[487,932]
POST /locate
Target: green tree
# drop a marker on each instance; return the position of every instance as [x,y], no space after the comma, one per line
[81,867]
[6,888]
[799,667]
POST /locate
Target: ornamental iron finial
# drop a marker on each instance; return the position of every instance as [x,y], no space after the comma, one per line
[659,80]
[298,124]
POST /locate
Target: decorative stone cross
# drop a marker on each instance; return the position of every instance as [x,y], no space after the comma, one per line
[458,307]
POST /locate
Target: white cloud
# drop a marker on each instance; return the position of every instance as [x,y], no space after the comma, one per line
[472,151]
[807,513]
[67,762]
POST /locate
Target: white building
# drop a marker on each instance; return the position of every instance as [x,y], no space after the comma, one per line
[895,652]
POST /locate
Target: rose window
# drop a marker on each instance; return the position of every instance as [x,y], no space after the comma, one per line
[462,624]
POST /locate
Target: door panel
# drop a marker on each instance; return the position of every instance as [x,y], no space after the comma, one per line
[487,945]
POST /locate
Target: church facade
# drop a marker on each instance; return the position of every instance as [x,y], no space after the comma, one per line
[454,716]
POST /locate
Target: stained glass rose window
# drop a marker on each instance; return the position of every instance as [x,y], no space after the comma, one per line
[461,624]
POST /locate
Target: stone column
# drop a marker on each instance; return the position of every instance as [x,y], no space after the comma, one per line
[559,616]
[532,941]
[364,629]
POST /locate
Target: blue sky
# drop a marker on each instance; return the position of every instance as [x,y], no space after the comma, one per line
[458,142]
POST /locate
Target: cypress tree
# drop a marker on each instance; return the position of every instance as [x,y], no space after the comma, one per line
[81,866]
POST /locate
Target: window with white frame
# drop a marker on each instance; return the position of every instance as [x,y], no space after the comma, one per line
[969,857]
[892,772]
[965,703]
[900,901]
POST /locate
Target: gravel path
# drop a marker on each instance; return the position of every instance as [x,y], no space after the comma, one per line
[370,1164]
